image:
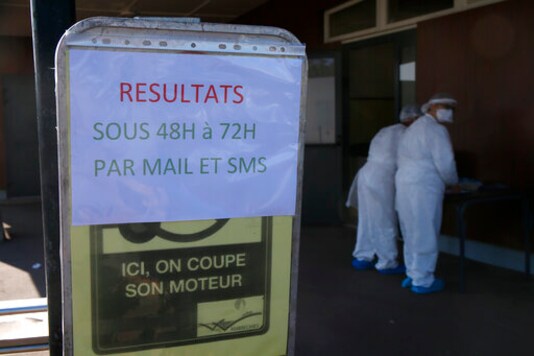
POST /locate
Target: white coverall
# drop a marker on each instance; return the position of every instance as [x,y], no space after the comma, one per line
[375,186]
[425,166]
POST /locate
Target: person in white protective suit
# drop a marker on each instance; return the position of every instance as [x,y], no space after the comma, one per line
[425,167]
[373,193]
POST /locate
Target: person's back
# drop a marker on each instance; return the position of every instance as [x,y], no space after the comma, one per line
[425,154]
[381,161]
[377,220]
[378,173]
[383,147]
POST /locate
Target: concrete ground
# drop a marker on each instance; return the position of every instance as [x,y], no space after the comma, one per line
[22,272]
[341,311]
[346,312]
[21,258]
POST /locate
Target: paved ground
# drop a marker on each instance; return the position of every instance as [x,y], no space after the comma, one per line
[345,312]
[22,274]
[21,259]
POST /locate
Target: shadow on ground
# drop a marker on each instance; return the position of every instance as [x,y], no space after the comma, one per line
[346,312]
[22,258]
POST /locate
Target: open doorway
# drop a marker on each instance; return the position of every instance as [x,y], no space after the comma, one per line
[379,78]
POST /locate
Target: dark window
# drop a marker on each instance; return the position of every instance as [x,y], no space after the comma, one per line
[359,16]
[404,9]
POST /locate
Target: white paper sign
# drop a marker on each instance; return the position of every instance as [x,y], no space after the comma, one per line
[174,136]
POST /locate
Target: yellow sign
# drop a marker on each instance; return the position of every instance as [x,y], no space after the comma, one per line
[214,287]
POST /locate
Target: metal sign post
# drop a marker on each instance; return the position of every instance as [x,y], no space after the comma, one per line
[49,22]
[180,154]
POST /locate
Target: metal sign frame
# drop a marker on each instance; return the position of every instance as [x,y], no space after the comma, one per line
[163,35]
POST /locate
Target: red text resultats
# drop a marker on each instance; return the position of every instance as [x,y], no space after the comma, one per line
[181,93]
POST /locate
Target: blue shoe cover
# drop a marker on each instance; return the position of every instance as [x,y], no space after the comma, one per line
[400,269]
[406,283]
[362,265]
[436,286]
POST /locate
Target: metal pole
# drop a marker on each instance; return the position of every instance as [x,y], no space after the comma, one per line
[50,19]
[527,226]
[460,226]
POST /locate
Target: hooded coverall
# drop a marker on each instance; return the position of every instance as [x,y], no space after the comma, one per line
[375,184]
[425,166]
